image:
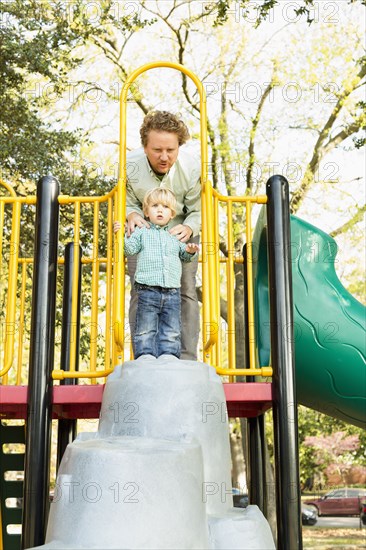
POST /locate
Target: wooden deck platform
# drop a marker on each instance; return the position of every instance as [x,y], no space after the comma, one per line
[247,399]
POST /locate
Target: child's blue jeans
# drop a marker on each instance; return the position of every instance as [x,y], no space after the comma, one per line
[158,323]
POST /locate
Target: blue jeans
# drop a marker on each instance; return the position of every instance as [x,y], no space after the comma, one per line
[189,305]
[158,324]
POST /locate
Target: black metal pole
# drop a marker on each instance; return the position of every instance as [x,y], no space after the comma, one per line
[67,428]
[256,478]
[282,351]
[257,483]
[39,413]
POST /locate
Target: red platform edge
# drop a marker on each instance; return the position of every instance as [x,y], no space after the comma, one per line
[243,399]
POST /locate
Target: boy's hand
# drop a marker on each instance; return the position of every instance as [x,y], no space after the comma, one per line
[192,248]
[116,226]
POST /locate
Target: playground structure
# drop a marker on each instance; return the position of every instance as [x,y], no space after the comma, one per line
[30,396]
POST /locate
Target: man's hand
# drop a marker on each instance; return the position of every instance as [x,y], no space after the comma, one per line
[135,220]
[182,232]
[192,248]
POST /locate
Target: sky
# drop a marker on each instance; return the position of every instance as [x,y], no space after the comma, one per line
[312,60]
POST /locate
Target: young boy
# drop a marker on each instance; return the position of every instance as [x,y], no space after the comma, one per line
[158,274]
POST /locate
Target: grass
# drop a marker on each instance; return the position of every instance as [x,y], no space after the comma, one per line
[328,539]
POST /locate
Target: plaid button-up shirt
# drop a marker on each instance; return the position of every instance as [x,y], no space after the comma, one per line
[159,256]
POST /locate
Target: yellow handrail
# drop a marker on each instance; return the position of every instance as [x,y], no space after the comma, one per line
[212,210]
[252,370]
[211,329]
[109,264]
[21,323]
[211,311]
[12,281]
[8,187]
[10,316]
[95,261]
[230,285]
[95,286]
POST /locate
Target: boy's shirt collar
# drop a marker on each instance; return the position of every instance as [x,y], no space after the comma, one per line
[158,227]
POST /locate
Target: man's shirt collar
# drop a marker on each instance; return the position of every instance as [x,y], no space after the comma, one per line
[170,172]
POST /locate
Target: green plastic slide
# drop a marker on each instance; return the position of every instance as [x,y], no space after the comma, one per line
[329,324]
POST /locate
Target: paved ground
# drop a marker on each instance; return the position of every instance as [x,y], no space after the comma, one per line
[344,522]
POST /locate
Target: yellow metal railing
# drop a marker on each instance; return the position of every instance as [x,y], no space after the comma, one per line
[211,330]
[209,308]
[105,318]
[229,277]
[16,287]
[96,325]
[13,322]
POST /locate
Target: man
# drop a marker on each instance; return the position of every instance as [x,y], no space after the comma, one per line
[165,160]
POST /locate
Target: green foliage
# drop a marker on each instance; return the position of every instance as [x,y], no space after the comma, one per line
[315,424]
[304,7]
[43,42]
[35,43]
[337,538]
[357,287]
[360,140]
[40,44]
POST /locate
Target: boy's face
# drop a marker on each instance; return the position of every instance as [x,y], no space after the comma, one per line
[161,150]
[158,213]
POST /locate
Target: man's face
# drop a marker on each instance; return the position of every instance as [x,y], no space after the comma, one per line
[161,150]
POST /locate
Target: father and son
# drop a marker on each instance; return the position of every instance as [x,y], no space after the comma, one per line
[163,216]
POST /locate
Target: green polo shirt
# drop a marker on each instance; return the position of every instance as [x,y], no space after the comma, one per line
[159,256]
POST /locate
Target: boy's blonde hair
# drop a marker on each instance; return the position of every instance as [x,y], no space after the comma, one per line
[163,195]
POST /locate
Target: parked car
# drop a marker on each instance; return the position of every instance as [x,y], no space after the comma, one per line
[340,502]
[308,516]
[240,500]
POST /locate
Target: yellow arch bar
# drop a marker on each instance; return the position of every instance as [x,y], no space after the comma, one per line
[210,307]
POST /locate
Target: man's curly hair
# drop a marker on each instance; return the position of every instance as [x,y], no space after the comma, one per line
[163,121]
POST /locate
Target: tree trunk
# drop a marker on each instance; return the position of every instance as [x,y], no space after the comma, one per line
[238,473]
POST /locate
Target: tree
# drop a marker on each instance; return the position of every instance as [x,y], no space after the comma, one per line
[262,9]
[330,137]
[29,47]
[40,45]
[248,76]
[334,452]
[326,443]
